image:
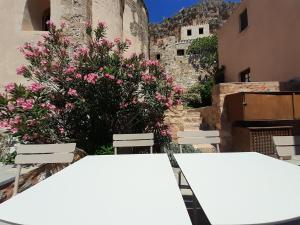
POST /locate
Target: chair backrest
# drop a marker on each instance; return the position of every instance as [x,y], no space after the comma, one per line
[39,154]
[199,137]
[287,146]
[133,140]
[48,153]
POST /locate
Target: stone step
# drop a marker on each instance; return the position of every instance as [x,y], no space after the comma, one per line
[192,119]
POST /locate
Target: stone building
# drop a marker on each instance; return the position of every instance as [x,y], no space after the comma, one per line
[170,39]
[257,43]
[25,21]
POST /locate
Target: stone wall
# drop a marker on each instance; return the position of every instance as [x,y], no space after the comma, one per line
[132,25]
[179,66]
[171,35]
[216,116]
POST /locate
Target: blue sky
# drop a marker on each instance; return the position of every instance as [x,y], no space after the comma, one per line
[159,9]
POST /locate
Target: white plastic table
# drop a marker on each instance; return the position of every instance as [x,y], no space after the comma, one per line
[104,190]
[243,188]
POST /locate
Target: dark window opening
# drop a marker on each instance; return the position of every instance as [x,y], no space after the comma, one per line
[245,75]
[180,52]
[243,20]
[189,32]
[45,19]
[201,30]
[158,56]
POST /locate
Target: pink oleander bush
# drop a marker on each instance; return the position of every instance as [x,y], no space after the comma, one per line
[86,92]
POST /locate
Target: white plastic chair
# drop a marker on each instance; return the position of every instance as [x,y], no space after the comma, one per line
[288,148]
[133,140]
[197,137]
[40,154]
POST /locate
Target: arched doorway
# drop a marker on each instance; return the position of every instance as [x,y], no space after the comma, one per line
[36,14]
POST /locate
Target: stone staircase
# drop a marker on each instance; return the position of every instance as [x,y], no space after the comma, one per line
[191,122]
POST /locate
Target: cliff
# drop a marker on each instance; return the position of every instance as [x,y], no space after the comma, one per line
[214,12]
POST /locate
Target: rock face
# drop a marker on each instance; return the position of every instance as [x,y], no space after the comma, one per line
[169,41]
[29,179]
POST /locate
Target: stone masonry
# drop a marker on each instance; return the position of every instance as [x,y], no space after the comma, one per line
[170,39]
[215,117]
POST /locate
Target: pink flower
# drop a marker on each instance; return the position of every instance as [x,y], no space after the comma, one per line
[72,92]
[117,40]
[20,101]
[26,137]
[4,124]
[119,82]
[123,105]
[27,104]
[10,87]
[102,25]
[91,78]
[178,89]
[61,130]
[130,75]
[170,79]
[48,106]
[50,24]
[62,24]
[88,24]
[169,103]
[148,78]
[14,130]
[163,133]
[134,101]
[69,79]
[158,96]
[152,63]
[69,106]
[128,41]
[78,76]
[81,52]
[35,87]
[10,106]
[108,76]
[106,43]
[21,70]
[70,70]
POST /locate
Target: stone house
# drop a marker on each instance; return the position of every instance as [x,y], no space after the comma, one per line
[260,42]
[170,39]
[25,21]
[171,51]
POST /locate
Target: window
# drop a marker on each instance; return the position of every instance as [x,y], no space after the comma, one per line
[158,56]
[45,19]
[243,20]
[35,15]
[180,52]
[245,75]
[201,30]
[189,32]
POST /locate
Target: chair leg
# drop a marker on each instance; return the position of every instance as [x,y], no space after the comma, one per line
[151,150]
[195,216]
[16,185]
[179,178]
[180,148]
[115,150]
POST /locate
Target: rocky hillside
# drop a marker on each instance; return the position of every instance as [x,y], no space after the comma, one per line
[214,12]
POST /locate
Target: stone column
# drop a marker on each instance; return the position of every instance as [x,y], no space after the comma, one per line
[76,13]
[111,12]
